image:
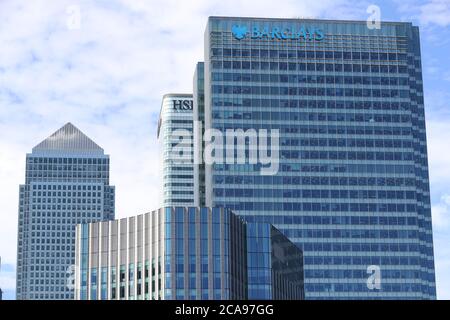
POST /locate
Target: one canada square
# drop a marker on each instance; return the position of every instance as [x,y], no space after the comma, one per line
[66,183]
[352,189]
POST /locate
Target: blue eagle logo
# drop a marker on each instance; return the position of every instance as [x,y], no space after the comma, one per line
[239,32]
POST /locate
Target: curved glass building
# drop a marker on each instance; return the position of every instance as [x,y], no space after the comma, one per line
[175,140]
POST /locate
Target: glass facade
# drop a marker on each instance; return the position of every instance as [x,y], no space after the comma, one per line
[199,117]
[66,183]
[195,253]
[352,189]
[274,265]
[175,131]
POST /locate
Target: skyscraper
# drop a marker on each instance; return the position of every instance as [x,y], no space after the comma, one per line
[175,141]
[66,183]
[352,187]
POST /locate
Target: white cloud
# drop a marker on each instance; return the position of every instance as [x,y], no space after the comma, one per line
[435,12]
[438,137]
[428,13]
[442,263]
[432,16]
[441,213]
[7,280]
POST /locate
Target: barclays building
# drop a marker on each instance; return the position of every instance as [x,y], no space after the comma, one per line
[352,188]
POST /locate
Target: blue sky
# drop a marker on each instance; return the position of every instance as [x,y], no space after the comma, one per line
[108,73]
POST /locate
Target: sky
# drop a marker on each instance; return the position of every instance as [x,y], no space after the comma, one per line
[105,65]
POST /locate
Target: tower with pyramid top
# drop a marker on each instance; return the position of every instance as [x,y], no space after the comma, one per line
[66,183]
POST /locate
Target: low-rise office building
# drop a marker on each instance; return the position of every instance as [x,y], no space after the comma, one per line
[189,253]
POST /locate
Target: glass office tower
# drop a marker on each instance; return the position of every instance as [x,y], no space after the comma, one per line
[176,150]
[186,253]
[352,188]
[66,183]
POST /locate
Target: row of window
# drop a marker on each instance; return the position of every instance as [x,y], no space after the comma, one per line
[347,142]
[68,194]
[315,207]
[65,187]
[346,155]
[275,104]
[317,129]
[321,92]
[55,167]
[44,264]
[355,288]
[302,54]
[354,234]
[80,200]
[179,168]
[69,208]
[318,194]
[318,181]
[91,175]
[46,240]
[55,253]
[142,279]
[47,160]
[361,274]
[309,79]
[315,116]
[192,282]
[178,176]
[50,279]
[348,220]
[320,67]
[51,226]
[365,248]
[178,184]
[175,192]
[48,288]
[180,201]
[384,169]
[64,249]
[49,296]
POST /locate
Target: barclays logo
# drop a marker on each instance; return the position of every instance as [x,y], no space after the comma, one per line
[239,32]
[306,33]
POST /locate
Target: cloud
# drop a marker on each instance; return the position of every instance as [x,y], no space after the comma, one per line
[8,281]
[435,12]
[442,263]
[441,213]
[432,16]
[438,136]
